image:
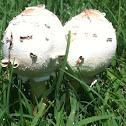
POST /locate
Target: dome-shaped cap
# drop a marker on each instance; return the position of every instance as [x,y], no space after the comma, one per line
[93,42]
[34,40]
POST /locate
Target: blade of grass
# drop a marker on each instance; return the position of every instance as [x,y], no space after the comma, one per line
[92,119]
[106,98]
[58,109]
[24,115]
[84,87]
[51,104]
[4,96]
[111,74]
[61,10]
[9,86]
[20,102]
[59,114]
[2,114]
[48,91]
[39,114]
[74,103]
[26,101]
[87,87]
[61,73]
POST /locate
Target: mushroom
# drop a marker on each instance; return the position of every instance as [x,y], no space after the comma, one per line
[93,43]
[34,40]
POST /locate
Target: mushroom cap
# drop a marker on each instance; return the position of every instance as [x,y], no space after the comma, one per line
[34,40]
[93,42]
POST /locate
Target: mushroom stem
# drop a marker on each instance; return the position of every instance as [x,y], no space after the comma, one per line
[37,89]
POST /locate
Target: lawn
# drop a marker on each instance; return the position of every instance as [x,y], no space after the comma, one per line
[102,105]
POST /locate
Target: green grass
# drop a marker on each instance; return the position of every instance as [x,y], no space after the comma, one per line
[104,104]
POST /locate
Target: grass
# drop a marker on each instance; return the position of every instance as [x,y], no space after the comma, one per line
[104,104]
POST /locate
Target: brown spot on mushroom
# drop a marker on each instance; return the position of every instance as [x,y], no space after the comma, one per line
[73,37]
[61,57]
[87,15]
[11,41]
[47,38]
[28,11]
[23,38]
[75,26]
[47,25]
[15,65]
[33,55]
[94,35]
[109,40]
[29,37]
[84,15]
[90,13]
[4,62]
[79,61]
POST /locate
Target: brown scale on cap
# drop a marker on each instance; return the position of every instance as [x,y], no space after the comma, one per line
[15,65]
[28,11]
[47,39]
[47,25]
[31,10]
[90,13]
[33,55]
[109,40]
[94,35]
[80,59]
[26,37]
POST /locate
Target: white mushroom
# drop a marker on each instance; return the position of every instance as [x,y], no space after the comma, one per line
[34,40]
[93,42]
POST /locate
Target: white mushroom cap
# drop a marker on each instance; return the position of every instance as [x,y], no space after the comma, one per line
[93,42]
[34,40]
